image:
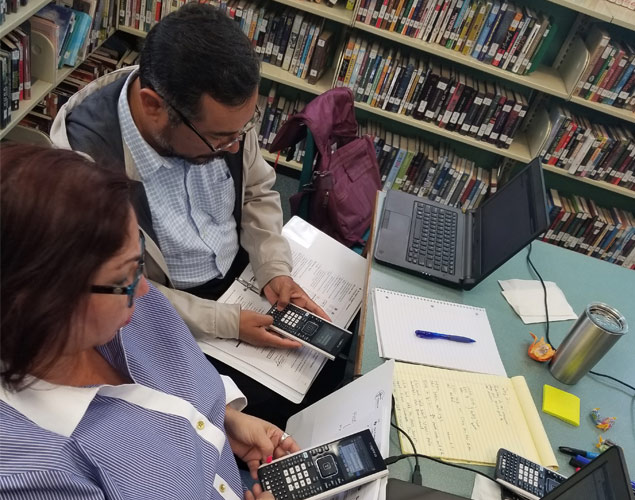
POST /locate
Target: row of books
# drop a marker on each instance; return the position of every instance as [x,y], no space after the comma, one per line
[291,39]
[275,111]
[407,163]
[628,4]
[593,150]
[15,72]
[67,29]
[585,227]
[496,32]
[99,63]
[432,92]
[436,172]
[10,7]
[609,76]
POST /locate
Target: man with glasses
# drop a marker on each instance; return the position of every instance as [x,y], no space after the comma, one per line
[183,125]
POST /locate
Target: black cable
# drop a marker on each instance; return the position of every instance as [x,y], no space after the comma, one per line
[544,288]
[612,378]
[547,318]
[396,458]
[416,473]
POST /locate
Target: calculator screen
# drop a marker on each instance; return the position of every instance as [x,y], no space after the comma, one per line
[326,337]
[355,458]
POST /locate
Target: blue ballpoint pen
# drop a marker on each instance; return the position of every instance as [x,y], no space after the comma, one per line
[422,334]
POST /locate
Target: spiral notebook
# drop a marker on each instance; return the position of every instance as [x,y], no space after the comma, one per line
[398,315]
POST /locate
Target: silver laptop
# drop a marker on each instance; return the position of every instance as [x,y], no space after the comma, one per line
[443,244]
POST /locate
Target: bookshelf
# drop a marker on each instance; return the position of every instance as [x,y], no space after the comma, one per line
[604,185]
[276,74]
[558,81]
[271,158]
[336,13]
[14,20]
[519,149]
[544,79]
[45,74]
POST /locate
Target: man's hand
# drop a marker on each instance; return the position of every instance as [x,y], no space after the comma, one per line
[254,440]
[253,330]
[282,289]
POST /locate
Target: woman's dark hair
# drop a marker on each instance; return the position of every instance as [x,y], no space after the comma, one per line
[198,50]
[62,217]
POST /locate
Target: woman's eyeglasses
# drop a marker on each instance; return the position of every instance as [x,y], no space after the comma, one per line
[132,287]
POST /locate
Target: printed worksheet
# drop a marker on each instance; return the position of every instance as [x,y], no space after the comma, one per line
[332,274]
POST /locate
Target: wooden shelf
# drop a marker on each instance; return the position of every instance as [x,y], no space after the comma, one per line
[622,16]
[14,20]
[594,8]
[607,186]
[338,13]
[519,149]
[132,31]
[271,158]
[544,79]
[39,89]
[621,113]
[277,74]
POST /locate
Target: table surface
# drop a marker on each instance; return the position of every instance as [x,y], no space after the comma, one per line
[583,280]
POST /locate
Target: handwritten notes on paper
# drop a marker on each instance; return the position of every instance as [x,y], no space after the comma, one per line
[467,417]
[365,403]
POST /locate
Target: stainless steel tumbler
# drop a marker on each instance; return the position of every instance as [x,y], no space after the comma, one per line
[593,334]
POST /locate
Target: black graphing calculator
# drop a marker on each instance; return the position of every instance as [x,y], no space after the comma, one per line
[309,329]
[324,470]
[524,477]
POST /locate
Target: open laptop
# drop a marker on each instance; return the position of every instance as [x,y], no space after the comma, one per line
[441,243]
[604,478]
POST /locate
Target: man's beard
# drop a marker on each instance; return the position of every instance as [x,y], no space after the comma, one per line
[162,140]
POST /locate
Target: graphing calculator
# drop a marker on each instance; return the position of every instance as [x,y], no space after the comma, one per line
[524,477]
[309,329]
[324,470]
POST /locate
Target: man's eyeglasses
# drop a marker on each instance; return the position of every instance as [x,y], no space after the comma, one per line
[251,124]
[132,287]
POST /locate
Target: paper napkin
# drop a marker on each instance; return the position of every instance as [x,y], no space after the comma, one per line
[527,298]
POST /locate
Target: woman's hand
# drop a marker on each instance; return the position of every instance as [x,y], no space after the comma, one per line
[255,440]
[258,493]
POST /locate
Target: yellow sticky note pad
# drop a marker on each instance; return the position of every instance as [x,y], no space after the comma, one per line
[561,404]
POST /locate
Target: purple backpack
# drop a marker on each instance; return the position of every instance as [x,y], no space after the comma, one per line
[342,187]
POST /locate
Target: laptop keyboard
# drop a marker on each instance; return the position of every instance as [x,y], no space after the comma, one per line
[433,239]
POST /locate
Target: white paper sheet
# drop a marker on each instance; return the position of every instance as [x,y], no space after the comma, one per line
[331,274]
[398,315]
[527,298]
[365,403]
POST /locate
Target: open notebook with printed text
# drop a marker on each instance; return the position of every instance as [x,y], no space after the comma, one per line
[331,274]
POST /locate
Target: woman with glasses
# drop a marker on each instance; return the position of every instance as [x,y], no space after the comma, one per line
[104,392]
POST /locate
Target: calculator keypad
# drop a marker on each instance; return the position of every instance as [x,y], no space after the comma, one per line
[523,473]
[295,322]
[294,478]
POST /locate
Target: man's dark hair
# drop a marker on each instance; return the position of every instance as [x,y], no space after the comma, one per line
[62,217]
[198,50]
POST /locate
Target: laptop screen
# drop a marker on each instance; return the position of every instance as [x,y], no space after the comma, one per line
[513,217]
[605,478]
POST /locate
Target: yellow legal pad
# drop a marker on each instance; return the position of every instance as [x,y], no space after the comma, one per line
[561,404]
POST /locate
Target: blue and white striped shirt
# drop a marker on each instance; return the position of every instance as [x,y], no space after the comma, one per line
[161,437]
[192,206]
